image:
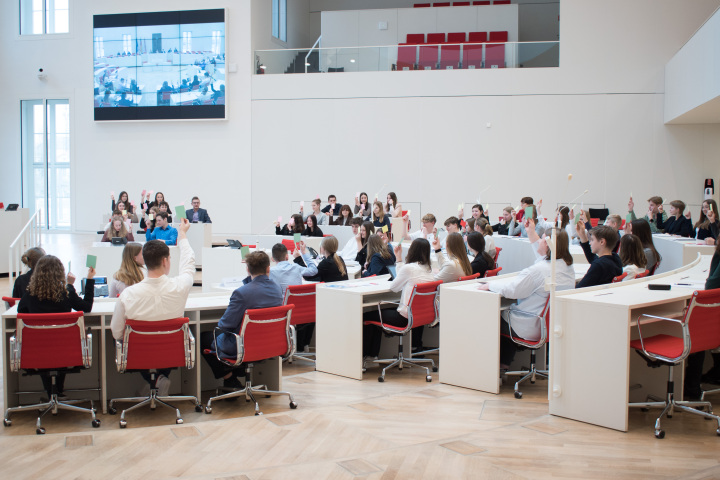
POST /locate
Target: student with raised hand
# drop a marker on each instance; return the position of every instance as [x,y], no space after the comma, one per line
[707,227]
[482,261]
[350,250]
[487,232]
[381,256]
[361,239]
[519,227]
[30,259]
[477,213]
[124,199]
[362,205]
[677,223]
[311,228]
[502,227]
[428,230]
[294,225]
[615,222]
[392,207]
[332,267]
[452,225]
[163,231]
[322,219]
[127,215]
[333,208]
[456,264]
[632,256]
[165,207]
[565,221]
[117,228]
[159,198]
[345,217]
[379,217]
[641,229]
[416,269]
[598,246]
[655,217]
[524,202]
[286,272]
[132,270]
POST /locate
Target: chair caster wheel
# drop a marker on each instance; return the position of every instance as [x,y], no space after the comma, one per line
[112,410]
[198,408]
[669,415]
[645,410]
[293,405]
[400,368]
[123,424]
[718,432]
[381,379]
[54,414]
[364,370]
[532,381]
[518,394]
[208,410]
[257,414]
[428,378]
[7,422]
[434,369]
[40,431]
[659,433]
[179,421]
[96,423]
[153,408]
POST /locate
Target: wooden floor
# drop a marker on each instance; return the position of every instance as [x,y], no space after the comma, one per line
[404,428]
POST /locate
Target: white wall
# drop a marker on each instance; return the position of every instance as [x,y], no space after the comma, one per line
[692,78]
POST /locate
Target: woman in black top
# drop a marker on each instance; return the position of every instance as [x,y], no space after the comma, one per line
[379,217]
[708,227]
[124,199]
[482,261]
[676,223]
[312,230]
[295,225]
[48,292]
[345,216]
[381,256]
[366,229]
[159,198]
[332,267]
[30,259]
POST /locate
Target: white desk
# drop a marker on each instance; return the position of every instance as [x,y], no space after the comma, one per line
[591,365]
[266,241]
[342,233]
[109,257]
[11,224]
[678,251]
[517,254]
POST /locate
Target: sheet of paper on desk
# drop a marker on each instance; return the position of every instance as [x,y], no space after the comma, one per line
[233,282]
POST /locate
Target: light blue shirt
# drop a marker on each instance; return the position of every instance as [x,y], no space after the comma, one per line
[290,273]
[168,235]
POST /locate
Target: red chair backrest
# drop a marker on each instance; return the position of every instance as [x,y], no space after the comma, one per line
[441,4]
[303,297]
[421,5]
[497,254]
[469,277]
[493,272]
[414,38]
[702,320]
[51,340]
[422,307]
[643,274]
[481,2]
[594,222]
[155,344]
[619,278]
[456,37]
[501,2]
[460,4]
[9,300]
[289,244]
[498,37]
[477,37]
[435,38]
[265,333]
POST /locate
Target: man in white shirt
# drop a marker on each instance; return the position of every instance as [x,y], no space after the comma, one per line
[350,250]
[158,297]
[428,230]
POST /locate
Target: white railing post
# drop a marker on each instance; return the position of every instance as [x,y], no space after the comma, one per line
[317,42]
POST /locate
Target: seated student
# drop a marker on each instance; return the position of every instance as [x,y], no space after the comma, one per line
[380,257]
[392,207]
[132,270]
[350,251]
[708,227]
[285,272]
[322,219]
[641,229]
[508,218]
[416,269]
[30,259]
[524,202]
[677,223]
[159,198]
[117,228]
[345,216]
[127,215]
[615,222]
[469,226]
[197,214]
[332,267]
[528,287]
[362,205]
[333,208]
[565,221]
[604,264]
[541,225]
[482,261]
[477,213]
[632,256]
[294,225]
[655,217]
[487,232]
[163,231]
[311,228]
[452,225]
[124,199]
[50,291]
[456,264]
[428,230]
[260,292]
[165,207]
[361,240]
[149,219]
[379,217]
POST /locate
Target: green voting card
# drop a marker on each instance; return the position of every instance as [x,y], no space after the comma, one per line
[244,251]
[91,261]
[577,218]
[179,213]
[297,237]
[528,212]
[628,218]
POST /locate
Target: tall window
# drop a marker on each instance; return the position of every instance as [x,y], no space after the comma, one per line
[217,42]
[186,41]
[127,43]
[38,17]
[46,160]
[279,19]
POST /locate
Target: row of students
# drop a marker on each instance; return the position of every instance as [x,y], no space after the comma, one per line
[308,227]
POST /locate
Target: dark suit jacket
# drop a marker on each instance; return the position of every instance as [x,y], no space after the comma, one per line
[202,215]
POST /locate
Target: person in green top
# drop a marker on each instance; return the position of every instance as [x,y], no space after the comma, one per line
[656,216]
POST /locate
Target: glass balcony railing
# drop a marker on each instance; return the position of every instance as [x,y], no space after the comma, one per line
[445,56]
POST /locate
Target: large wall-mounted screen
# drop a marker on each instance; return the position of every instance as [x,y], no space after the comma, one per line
[159,65]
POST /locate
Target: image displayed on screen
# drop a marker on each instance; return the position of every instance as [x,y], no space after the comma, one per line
[159,65]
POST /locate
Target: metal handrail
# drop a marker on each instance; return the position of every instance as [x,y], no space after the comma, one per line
[358,47]
[317,42]
[28,237]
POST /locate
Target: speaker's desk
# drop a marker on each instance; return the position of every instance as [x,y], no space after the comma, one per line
[678,251]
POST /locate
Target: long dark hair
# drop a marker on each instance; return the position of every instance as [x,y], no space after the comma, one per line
[476,241]
[299,226]
[631,251]
[419,253]
[641,229]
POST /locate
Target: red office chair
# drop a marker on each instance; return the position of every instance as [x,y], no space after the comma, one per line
[619,278]
[469,277]
[265,333]
[497,254]
[50,343]
[303,297]
[533,345]
[643,274]
[10,302]
[700,332]
[289,244]
[422,310]
[594,222]
[155,345]
[493,272]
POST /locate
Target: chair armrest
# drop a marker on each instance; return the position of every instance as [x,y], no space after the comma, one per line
[119,356]
[14,354]
[292,342]
[685,338]
[238,345]
[522,341]
[87,350]
[190,353]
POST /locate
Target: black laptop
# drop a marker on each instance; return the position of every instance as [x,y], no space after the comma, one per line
[12,207]
[234,243]
[119,240]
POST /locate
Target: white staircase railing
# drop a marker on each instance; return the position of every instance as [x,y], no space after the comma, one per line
[307,57]
[29,237]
